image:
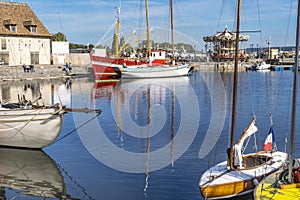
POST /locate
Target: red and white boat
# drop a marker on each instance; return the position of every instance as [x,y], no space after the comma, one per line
[108,67]
[153,64]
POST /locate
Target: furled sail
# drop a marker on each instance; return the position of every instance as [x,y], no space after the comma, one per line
[250,130]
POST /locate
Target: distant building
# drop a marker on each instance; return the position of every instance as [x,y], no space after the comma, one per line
[60,51]
[23,37]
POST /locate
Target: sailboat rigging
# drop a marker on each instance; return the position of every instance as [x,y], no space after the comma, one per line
[242,172]
[155,64]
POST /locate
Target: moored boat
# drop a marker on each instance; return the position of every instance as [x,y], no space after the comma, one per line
[29,127]
[248,170]
[241,172]
[262,65]
[152,64]
[286,184]
[276,186]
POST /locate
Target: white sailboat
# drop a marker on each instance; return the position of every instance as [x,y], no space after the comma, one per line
[241,173]
[26,125]
[29,127]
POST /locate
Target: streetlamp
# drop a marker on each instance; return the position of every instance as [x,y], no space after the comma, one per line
[251,46]
[269,43]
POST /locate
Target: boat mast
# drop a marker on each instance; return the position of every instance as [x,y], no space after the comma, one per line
[172,29]
[235,83]
[148,29]
[293,124]
[117,33]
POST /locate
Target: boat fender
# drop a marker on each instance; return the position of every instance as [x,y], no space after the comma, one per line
[255,182]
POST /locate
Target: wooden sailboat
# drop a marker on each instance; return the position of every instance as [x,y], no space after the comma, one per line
[148,67]
[286,184]
[241,173]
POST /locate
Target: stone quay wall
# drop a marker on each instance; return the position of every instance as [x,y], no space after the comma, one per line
[41,72]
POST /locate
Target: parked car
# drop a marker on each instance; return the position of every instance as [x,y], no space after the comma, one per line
[2,62]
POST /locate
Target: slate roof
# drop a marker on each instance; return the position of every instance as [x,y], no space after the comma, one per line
[21,15]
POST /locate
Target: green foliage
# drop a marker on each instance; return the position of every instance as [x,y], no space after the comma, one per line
[59,37]
[113,45]
[100,46]
[80,46]
[185,47]
[122,42]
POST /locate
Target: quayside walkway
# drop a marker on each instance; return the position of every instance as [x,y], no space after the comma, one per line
[41,72]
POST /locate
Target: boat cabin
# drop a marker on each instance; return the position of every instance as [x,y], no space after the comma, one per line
[158,54]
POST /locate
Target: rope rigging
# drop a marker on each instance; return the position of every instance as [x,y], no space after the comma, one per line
[75,129]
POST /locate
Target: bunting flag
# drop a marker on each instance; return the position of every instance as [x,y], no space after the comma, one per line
[269,141]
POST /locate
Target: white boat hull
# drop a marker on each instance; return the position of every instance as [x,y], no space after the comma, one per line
[218,183]
[141,71]
[155,72]
[32,128]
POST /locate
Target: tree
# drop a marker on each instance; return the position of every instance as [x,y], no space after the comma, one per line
[80,46]
[59,37]
[122,42]
[113,45]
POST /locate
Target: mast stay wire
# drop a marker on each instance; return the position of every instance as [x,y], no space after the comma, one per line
[220,15]
[181,19]
[288,24]
[259,21]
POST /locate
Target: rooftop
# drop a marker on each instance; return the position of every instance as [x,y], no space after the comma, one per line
[17,19]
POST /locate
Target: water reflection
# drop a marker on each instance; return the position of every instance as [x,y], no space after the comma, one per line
[150,124]
[51,92]
[94,163]
[30,172]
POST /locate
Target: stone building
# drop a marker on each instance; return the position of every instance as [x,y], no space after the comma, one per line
[23,37]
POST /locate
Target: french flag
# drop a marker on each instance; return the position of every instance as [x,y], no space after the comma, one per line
[268,146]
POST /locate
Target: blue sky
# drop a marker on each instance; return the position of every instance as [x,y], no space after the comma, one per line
[88,21]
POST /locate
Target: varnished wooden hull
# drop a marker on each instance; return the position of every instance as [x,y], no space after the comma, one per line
[218,183]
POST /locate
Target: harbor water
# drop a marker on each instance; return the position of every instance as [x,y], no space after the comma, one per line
[153,140]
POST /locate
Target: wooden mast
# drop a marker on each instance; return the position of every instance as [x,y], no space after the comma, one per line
[148,29]
[172,30]
[295,82]
[117,34]
[235,83]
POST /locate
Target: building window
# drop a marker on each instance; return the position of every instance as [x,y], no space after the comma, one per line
[13,28]
[3,44]
[33,29]
[34,57]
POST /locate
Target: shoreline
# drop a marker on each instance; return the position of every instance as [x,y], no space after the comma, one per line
[42,72]
[50,72]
